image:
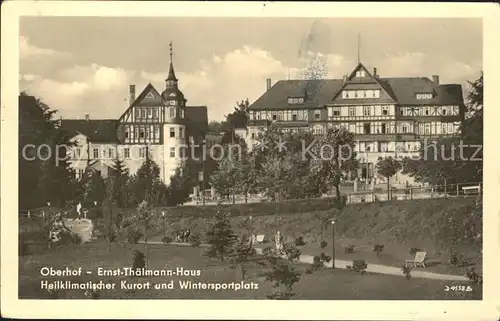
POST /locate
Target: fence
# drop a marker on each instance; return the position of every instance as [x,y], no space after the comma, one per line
[471,189]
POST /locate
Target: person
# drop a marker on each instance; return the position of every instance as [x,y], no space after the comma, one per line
[187,233]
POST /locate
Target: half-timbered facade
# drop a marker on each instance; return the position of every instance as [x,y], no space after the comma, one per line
[388,116]
[158,125]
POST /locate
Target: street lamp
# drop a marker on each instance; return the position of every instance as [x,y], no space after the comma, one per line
[164,215]
[332,221]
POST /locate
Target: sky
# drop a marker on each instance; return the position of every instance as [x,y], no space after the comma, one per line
[84,65]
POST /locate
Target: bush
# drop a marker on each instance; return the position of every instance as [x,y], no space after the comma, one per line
[138,260]
[414,251]
[76,238]
[299,241]
[133,236]
[195,240]
[377,248]
[349,248]
[473,276]
[358,266]
[325,258]
[323,244]
[291,252]
[166,240]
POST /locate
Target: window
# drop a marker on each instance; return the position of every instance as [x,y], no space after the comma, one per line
[444,110]
[383,146]
[318,130]
[171,112]
[137,113]
[141,132]
[96,152]
[295,100]
[150,113]
[81,172]
[402,112]
[173,103]
[182,113]
[426,111]
[421,96]
[385,111]
[405,128]
[344,94]
[369,93]
[126,152]
[366,128]
[376,93]
[181,132]
[366,110]
[360,94]
[317,115]
[143,113]
[384,129]
[172,152]
[450,128]
[352,111]
[253,135]
[444,128]
[76,153]
[157,133]
[172,132]
[352,128]
[155,113]
[142,152]
[110,153]
[427,128]
[126,133]
[360,73]
[294,117]
[352,94]
[274,117]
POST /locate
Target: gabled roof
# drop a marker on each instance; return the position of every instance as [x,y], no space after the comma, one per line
[402,90]
[97,130]
[142,100]
[316,93]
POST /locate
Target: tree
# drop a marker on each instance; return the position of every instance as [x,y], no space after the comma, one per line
[94,187]
[225,179]
[237,119]
[220,237]
[143,218]
[120,173]
[216,126]
[42,177]
[179,188]
[457,158]
[146,180]
[282,275]
[333,157]
[109,209]
[388,167]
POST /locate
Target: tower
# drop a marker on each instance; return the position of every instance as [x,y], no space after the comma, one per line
[174,127]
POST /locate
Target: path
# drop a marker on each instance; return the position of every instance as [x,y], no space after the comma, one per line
[372,268]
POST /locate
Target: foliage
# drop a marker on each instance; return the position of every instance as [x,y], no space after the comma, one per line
[377,248]
[474,276]
[220,237]
[237,119]
[358,266]
[282,277]
[291,252]
[414,251]
[121,175]
[299,241]
[458,158]
[323,244]
[109,209]
[47,180]
[133,235]
[166,239]
[22,246]
[195,239]
[388,167]
[179,188]
[138,260]
[349,248]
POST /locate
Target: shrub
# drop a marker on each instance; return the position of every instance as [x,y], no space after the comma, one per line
[317,263]
[133,236]
[323,244]
[195,239]
[291,252]
[166,239]
[414,251]
[267,251]
[299,241]
[377,248]
[473,276]
[358,266]
[406,271]
[138,260]
[349,248]
[454,259]
[76,238]
[65,238]
[325,258]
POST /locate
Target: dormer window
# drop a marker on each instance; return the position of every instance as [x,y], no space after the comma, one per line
[421,96]
[295,100]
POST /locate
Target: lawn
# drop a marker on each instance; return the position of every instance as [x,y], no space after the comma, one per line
[325,284]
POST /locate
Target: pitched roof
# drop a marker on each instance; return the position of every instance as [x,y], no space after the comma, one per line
[143,101]
[97,130]
[321,92]
[197,116]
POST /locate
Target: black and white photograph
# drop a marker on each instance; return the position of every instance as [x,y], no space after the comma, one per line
[248,158]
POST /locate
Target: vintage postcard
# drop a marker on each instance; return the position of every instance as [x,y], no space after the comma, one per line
[204,160]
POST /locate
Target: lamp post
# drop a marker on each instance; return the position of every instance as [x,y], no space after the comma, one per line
[332,221]
[164,215]
[250,229]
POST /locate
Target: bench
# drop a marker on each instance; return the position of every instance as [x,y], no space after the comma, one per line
[468,190]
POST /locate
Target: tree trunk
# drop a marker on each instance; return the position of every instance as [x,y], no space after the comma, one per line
[388,189]
[246,198]
[338,196]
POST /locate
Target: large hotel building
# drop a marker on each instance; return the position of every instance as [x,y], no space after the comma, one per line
[158,124]
[388,116]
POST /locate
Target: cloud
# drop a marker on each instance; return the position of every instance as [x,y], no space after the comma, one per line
[27,50]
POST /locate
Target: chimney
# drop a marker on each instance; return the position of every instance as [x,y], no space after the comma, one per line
[375,71]
[268,83]
[87,117]
[435,78]
[131,94]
